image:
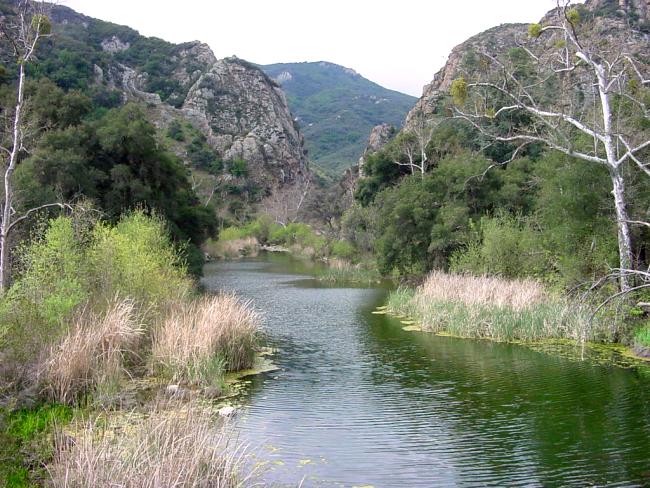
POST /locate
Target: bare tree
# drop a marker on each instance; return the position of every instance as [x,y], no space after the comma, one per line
[22,34]
[412,142]
[574,94]
[284,204]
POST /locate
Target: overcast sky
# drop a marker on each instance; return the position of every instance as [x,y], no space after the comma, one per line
[399,44]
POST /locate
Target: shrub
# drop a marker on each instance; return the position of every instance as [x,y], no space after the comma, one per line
[137,259]
[197,340]
[343,249]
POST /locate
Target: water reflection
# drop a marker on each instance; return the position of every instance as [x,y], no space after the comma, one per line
[359,401]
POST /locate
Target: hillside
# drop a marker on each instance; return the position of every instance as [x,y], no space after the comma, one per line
[337,108]
[225,119]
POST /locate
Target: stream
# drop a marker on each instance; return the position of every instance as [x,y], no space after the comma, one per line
[358,401]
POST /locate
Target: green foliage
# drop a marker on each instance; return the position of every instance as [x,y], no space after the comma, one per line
[342,249]
[459,91]
[505,245]
[337,110]
[573,16]
[136,259]
[642,337]
[238,168]
[49,287]
[175,131]
[534,30]
[75,263]
[117,162]
[26,434]
[25,424]
[41,24]
[203,156]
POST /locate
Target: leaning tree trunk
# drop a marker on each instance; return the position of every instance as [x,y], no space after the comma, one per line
[623,227]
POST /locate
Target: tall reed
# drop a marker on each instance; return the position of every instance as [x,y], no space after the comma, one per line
[91,353]
[167,449]
[195,340]
[494,308]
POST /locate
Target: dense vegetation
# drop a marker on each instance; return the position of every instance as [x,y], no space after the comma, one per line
[91,146]
[336,109]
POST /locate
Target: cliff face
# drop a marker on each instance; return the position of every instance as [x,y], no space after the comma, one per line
[622,24]
[461,62]
[245,116]
[242,113]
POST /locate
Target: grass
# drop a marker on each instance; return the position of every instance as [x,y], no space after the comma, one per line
[92,353]
[642,341]
[342,271]
[198,341]
[493,308]
[166,449]
[232,249]
[25,440]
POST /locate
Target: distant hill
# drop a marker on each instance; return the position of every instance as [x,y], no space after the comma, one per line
[337,108]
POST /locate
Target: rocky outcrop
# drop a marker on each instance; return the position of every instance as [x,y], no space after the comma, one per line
[461,62]
[379,137]
[621,24]
[245,116]
[242,112]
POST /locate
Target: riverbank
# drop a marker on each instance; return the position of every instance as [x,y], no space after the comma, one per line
[341,262]
[515,311]
[104,320]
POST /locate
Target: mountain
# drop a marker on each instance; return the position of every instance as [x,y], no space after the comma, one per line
[226,110]
[622,23]
[337,108]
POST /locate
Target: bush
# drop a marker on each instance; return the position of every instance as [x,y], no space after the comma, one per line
[505,245]
[137,259]
[342,249]
[72,275]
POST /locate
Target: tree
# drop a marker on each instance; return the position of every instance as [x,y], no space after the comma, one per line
[579,93]
[412,143]
[22,34]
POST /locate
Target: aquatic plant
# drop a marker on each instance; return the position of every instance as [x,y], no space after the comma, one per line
[494,308]
[167,448]
[197,341]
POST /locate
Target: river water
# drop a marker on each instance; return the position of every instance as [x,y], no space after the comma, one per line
[358,401]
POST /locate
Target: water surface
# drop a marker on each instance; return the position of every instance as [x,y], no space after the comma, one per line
[359,401]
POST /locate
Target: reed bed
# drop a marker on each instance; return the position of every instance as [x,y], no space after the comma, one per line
[493,308]
[342,271]
[232,249]
[198,341]
[92,353]
[167,449]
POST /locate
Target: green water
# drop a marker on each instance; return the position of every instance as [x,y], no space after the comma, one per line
[359,401]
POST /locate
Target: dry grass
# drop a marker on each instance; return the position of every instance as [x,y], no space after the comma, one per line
[482,290]
[167,449]
[232,249]
[91,353]
[494,308]
[198,339]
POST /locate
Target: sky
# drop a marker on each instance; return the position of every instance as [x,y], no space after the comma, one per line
[399,44]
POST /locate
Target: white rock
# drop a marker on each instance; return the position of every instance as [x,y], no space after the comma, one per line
[226,411]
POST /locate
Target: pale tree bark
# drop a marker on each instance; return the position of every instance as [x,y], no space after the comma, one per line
[23,36]
[412,144]
[598,75]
